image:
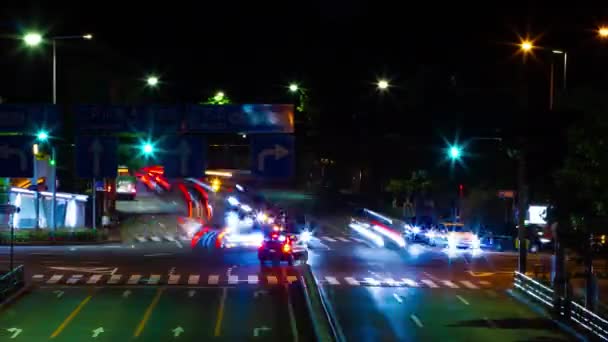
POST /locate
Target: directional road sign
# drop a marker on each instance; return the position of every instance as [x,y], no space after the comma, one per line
[273,156]
[184,156]
[16,156]
[96,156]
[23,118]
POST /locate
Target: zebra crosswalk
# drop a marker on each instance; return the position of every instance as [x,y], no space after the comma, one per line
[340,238]
[405,282]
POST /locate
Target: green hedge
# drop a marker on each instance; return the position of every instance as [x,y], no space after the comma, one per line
[61,235]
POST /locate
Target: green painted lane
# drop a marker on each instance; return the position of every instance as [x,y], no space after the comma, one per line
[112,314]
[37,315]
[184,314]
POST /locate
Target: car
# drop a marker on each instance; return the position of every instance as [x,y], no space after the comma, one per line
[460,236]
[278,246]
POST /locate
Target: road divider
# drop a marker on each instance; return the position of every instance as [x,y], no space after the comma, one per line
[322,316]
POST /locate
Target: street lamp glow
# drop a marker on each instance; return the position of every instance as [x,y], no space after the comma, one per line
[603,32]
[152,81]
[32,39]
[526,45]
[87,36]
[559,52]
[383,84]
[454,152]
[147,148]
[42,136]
[293,87]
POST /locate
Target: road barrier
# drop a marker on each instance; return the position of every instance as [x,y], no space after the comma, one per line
[321,315]
[566,309]
[11,282]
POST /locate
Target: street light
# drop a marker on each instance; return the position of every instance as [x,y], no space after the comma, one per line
[152,81]
[33,39]
[293,87]
[147,148]
[455,152]
[42,136]
[603,32]
[526,46]
[219,96]
[382,84]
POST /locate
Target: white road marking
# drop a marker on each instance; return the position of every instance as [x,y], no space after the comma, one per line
[429,283]
[74,279]
[252,279]
[37,277]
[484,282]
[416,321]
[54,279]
[391,282]
[358,240]
[352,281]
[169,238]
[327,238]
[462,300]
[233,279]
[343,239]
[398,298]
[155,238]
[372,281]
[115,278]
[193,279]
[272,280]
[468,284]
[409,282]
[332,280]
[213,279]
[449,284]
[94,279]
[154,279]
[174,279]
[134,279]
[431,276]
[140,238]
[292,279]
[179,244]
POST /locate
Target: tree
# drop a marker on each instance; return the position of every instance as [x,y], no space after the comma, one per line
[418,182]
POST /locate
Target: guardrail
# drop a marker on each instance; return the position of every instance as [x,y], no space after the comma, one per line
[323,320]
[11,282]
[565,308]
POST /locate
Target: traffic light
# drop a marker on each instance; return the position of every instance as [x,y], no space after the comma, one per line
[454,152]
[42,135]
[147,148]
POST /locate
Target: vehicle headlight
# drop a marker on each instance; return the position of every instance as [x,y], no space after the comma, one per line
[452,241]
[305,236]
[416,230]
[261,217]
[475,242]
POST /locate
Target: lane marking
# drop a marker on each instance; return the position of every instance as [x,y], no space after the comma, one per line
[398,298]
[391,282]
[431,276]
[372,281]
[233,279]
[37,277]
[193,279]
[74,278]
[134,279]
[429,283]
[94,279]
[327,238]
[179,244]
[115,278]
[144,320]
[155,238]
[213,279]
[272,280]
[449,284]
[332,280]
[343,239]
[220,314]
[54,279]
[484,282]
[70,317]
[252,279]
[416,321]
[154,279]
[409,282]
[174,279]
[464,301]
[468,284]
[352,281]
[292,317]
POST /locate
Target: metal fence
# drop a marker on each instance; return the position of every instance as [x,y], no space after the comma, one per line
[565,308]
[11,282]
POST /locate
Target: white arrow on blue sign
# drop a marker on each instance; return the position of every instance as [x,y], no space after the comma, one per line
[184,156]
[96,156]
[273,156]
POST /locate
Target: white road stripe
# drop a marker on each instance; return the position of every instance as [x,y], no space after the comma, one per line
[484,282]
[462,300]
[193,279]
[54,279]
[372,281]
[358,240]
[155,238]
[429,283]
[391,282]
[213,279]
[409,282]
[292,279]
[398,298]
[468,284]
[343,239]
[352,281]
[449,284]
[115,278]
[154,279]
[233,279]
[169,238]
[37,277]
[140,238]
[74,279]
[134,279]
[272,280]
[174,279]
[416,321]
[94,279]
[252,279]
[332,280]
[327,238]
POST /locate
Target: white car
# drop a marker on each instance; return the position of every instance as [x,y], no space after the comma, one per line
[462,237]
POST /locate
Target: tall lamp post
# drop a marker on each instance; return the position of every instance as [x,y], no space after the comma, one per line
[527,46]
[34,39]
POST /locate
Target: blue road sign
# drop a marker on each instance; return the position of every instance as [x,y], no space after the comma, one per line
[184,156]
[96,156]
[144,118]
[246,118]
[273,156]
[27,118]
[16,156]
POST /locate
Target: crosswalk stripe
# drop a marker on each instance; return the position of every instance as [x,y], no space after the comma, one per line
[232,279]
[155,238]
[140,238]
[485,283]
[468,284]
[351,281]
[154,279]
[409,282]
[332,280]
[213,279]
[252,279]
[327,238]
[54,279]
[94,279]
[38,277]
[169,238]
[343,239]
[429,283]
[292,279]
[193,279]
[174,279]
[74,278]
[358,240]
[272,280]
[391,282]
[115,278]
[134,279]
[372,281]
[449,284]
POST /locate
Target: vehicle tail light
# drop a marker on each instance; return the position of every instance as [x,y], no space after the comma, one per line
[286,248]
[274,236]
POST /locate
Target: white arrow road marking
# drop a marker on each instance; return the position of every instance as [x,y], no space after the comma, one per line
[177,331]
[169,238]
[193,279]
[342,239]
[257,331]
[126,294]
[278,152]
[59,293]
[416,321]
[140,238]
[327,238]
[37,277]
[97,149]
[352,281]
[398,298]
[464,301]
[97,331]
[14,331]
